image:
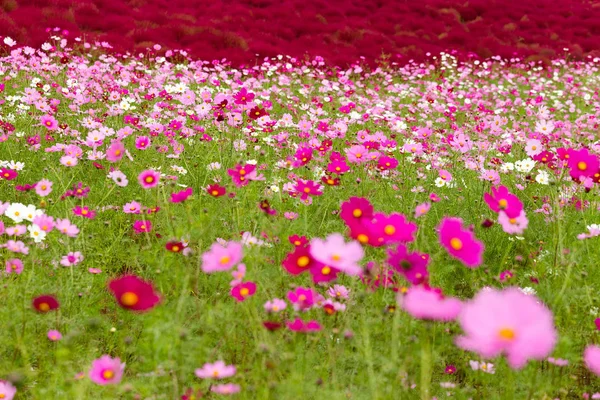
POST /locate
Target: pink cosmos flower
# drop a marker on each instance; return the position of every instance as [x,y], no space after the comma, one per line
[106,370]
[13,266]
[460,243]
[115,151]
[422,209]
[44,222]
[507,322]
[148,178]
[290,215]
[336,253]
[244,290]
[49,122]
[69,161]
[66,227]
[238,274]
[218,370]
[591,358]
[222,257]
[133,207]
[227,388]
[275,305]
[7,390]
[54,335]
[142,142]
[73,258]
[302,298]
[425,303]
[513,226]
[338,291]
[299,325]
[43,187]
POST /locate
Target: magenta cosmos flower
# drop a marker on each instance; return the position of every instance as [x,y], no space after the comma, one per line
[242,291]
[106,370]
[507,322]
[148,178]
[502,200]
[426,303]
[222,258]
[133,293]
[460,243]
[218,370]
[335,252]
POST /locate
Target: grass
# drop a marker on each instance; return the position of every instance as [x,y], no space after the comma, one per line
[370,351]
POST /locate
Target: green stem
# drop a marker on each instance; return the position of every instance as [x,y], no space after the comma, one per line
[426,367]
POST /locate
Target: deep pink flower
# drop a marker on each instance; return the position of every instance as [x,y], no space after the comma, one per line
[411,265]
[355,210]
[134,293]
[8,174]
[460,243]
[582,164]
[502,200]
[181,196]
[243,290]
[142,226]
[507,322]
[299,325]
[84,212]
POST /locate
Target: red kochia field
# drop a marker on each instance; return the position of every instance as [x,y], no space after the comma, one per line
[340,31]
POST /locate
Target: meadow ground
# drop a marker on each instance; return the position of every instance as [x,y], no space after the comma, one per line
[243,197]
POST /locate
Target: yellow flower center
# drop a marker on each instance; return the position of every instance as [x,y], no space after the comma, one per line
[303,261]
[506,334]
[306,190]
[502,204]
[326,270]
[117,152]
[336,257]
[357,213]
[129,299]
[244,292]
[214,192]
[224,260]
[149,179]
[175,248]
[44,307]
[389,230]
[456,243]
[582,166]
[512,221]
[108,374]
[363,238]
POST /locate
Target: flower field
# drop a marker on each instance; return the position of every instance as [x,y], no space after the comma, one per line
[178,229]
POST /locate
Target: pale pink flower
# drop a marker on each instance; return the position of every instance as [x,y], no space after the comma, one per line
[218,370]
[106,370]
[335,252]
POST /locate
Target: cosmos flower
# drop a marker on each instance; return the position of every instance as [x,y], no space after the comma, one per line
[460,243]
[507,322]
[427,303]
[148,178]
[133,293]
[45,303]
[217,370]
[106,370]
[222,257]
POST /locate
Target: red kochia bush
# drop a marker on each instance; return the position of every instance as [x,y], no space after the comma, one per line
[340,31]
